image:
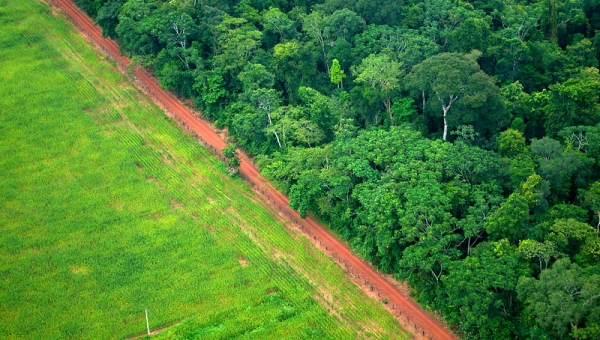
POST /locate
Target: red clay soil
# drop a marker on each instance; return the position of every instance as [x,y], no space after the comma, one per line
[420,323]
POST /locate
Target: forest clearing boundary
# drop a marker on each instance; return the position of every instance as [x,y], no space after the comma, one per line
[410,315]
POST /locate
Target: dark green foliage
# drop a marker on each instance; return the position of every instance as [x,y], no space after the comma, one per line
[565,297]
[453,87]
[510,220]
[136,28]
[91,7]
[454,144]
[481,290]
[573,102]
[107,17]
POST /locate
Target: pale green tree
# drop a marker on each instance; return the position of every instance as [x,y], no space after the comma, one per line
[382,74]
[337,75]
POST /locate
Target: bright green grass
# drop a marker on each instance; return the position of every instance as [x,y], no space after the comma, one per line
[106,208]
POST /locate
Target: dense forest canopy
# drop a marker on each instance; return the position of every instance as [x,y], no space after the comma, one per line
[452,143]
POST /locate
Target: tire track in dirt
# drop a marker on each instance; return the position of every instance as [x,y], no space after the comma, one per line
[409,314]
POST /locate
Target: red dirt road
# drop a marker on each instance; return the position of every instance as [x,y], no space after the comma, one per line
[409,314]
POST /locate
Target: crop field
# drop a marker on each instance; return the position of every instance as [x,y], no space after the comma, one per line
[107,208]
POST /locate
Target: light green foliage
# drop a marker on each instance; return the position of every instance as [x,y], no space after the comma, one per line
[572,229]
[589,255]
[516,101]
[428,220]
[403,110]
[337,74]
[582,54]
[519,169]
[534,190]
[382,74]
[295,127]
[511,143]
[107,208]
[570,235]
[285,50]
[543,252]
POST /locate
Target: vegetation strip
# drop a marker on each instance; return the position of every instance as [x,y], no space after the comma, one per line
[423,324]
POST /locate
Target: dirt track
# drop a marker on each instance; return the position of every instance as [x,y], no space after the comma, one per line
[409,314]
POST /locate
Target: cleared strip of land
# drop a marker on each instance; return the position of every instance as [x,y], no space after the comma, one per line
[107,208]
[405,309]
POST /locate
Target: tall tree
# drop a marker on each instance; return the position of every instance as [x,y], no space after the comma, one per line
[238,41]
[337,74]
[344,24]
[277,22]
[382,74]
[313,25]
[445,78]
[267,101]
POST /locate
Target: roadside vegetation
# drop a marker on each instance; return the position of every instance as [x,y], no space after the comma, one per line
[107,208]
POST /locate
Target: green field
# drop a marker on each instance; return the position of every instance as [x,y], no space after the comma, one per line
[107,208]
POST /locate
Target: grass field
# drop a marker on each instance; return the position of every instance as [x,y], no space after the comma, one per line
[106,209]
